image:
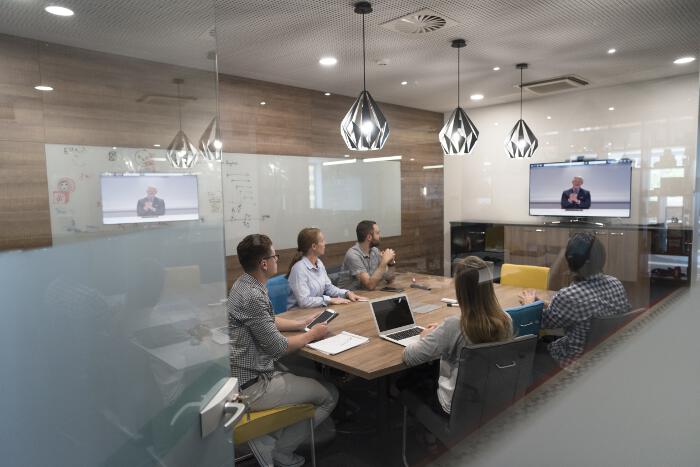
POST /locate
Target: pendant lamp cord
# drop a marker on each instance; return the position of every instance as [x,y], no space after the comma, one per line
[521,94]
[216,69]
[458,95]
[364,62]
[179,106]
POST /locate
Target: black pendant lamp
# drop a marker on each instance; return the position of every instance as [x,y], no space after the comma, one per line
[522,141]
[364,127]
[459,134]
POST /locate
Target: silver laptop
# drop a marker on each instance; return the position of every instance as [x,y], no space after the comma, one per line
[394,320]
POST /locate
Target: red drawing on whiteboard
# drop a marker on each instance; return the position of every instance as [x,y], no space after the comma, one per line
[64,188]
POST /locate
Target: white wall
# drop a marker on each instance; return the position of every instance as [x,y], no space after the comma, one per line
[655,123]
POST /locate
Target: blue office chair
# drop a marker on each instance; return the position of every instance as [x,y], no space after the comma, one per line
[278,289]
[526,318]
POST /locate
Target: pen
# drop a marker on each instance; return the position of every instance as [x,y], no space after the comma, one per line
[453,304]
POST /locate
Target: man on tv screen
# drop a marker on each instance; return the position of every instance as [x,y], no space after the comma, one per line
[576,197]
[150,206]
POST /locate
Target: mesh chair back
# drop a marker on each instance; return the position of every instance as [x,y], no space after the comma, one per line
[491,377]
[526,318]
[338,277]
[603,327]
[278,289]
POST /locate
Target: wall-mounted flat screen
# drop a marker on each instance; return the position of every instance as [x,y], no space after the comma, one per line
[581,189]
[137,198]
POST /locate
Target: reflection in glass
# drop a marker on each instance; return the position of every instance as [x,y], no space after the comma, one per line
[181,153]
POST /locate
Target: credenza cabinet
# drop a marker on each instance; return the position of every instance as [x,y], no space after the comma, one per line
[636,255]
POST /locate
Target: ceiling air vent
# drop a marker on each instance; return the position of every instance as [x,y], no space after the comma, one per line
[420,22]
[562,83]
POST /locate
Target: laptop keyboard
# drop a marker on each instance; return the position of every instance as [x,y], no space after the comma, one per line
[405,334]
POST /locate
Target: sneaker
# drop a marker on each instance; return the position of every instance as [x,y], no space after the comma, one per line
[262,448]
[288,460]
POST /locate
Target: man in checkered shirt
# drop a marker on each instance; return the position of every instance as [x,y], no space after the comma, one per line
[256,346]
[592,294]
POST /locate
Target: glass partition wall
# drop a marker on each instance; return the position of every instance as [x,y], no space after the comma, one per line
[110,334]
[120,228]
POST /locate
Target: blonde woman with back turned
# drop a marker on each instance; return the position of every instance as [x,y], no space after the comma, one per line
[481,320]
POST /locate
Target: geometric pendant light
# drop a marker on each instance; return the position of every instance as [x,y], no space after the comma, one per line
[521,141]
[181,153]
[459,134]
[210,144]
[364,127]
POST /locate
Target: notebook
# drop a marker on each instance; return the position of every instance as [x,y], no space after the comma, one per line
[338,343]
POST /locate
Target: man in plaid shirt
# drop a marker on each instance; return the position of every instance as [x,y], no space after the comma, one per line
[592,294]
[256,346]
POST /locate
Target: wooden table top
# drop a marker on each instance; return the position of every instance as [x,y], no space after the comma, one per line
[379,357]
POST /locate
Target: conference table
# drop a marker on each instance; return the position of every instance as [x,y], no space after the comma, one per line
[379,357]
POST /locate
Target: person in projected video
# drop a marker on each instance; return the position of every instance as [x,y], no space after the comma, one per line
[576,197]
[150,206]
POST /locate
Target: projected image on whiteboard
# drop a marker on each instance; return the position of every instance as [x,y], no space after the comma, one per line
[138,198]
[581,189]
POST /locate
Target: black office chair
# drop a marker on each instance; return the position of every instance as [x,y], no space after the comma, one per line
[603,327]
[338,277]
[491,377]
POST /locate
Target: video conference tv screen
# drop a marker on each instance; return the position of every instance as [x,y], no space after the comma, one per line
[581,189]
[138,198]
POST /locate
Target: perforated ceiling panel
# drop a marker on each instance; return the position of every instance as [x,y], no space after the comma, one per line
[281,41]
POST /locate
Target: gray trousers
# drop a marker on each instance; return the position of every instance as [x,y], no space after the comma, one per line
[287,388]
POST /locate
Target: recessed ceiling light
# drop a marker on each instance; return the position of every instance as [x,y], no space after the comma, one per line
[611,108]
[404,83]
[114,147]
[328,61]
[412,159]
[476,97]
[156,145]
[549,117]
[683,60]
[611,51]
[59,10]
[326,93]
[263,103]
[495,123]
[42,87]
[496,68]
[347,155]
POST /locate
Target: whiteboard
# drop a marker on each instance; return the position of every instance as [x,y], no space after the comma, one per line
[73,174]
[249,193]
[280,195]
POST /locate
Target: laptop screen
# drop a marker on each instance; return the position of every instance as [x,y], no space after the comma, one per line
[392,313]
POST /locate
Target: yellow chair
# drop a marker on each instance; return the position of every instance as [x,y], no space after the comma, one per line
[521,275]
[256,424]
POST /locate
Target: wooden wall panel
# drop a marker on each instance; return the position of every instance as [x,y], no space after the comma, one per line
[109,100]
[24,203]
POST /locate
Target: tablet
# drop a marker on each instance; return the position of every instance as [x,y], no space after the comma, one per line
[325,317]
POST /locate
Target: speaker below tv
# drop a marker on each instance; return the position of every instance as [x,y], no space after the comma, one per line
[597,188]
